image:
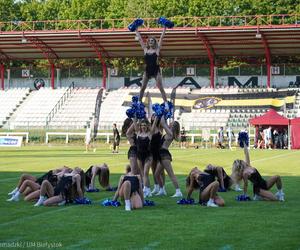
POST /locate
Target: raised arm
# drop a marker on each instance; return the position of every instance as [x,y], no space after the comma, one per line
[247,155]
[130,131]
[136,127]
[165,126]
[138,35]
[161,39]
[154,124]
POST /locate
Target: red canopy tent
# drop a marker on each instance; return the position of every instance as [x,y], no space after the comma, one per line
[270,118]
[295,133]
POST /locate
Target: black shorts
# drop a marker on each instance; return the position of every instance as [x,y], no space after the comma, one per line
[227,182]
[143,156]
[164,154]
[261,185]
[183,138]
[132,152]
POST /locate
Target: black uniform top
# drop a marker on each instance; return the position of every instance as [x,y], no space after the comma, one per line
[142,144]
[152,67]
[47,176]
[204,180]
[63,186]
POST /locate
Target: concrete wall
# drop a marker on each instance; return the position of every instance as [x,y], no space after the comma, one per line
[117,82]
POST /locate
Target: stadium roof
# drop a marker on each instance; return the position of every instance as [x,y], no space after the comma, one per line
[190,38]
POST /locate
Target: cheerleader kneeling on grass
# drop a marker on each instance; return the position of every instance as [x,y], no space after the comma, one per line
[242,170]
[69,187]
[207,185]
[130,189]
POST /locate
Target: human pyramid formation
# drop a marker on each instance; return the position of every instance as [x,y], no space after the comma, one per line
[149,149]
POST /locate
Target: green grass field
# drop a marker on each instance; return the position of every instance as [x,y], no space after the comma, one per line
[239,225]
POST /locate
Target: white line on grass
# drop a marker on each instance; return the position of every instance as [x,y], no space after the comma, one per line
[33,216]
[273,157]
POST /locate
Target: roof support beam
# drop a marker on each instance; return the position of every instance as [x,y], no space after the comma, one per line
[2,69]
[268,59]
[211,56]
[100,51]
[48,53]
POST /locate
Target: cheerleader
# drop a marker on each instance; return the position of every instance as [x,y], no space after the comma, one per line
[224,180]
[151,53]
[165,157]
[130,189]
[28,183]
[69,187]
[103,174]
[207,185]
[128,130]
[155,145]
[144,158]
[242,170]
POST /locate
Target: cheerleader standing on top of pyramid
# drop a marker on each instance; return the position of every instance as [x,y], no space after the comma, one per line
[151,54]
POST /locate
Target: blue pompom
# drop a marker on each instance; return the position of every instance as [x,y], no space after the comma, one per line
[82,201]
[115,204]
[186,201]
[135,24]
[165,22]
[243,197]
[157,110]
[148,203]
[93,190]
[135,99]
[130,113]
[243,139]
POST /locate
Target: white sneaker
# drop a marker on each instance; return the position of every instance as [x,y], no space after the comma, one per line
[211,204]
[257,197]
[13,192]
[177,194]
[155,190]
[40,202]
[15,197]
[161,192]
[127,208]
[280,196]
[62,203]
[238,189]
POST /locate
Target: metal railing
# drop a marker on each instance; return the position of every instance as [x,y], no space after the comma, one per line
[211,21]
[60,103]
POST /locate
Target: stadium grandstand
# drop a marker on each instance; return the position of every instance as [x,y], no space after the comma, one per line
[202,101]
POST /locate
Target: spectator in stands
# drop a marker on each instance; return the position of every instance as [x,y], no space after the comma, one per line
[230,136]
[116,142]
[221,138]
[151,53]
[242,170]
[130,189]
[182,138]
[172,133]
[207,185]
